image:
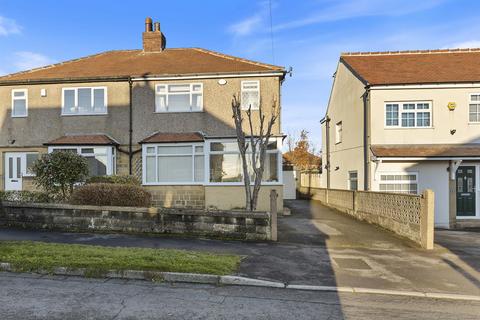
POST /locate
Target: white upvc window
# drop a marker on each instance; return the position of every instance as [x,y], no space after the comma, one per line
[250,94]
[173,163]
[338,132]
[399,182]
[100,159]
[353,180]
[182,97]
[84,101]
[225,163]
[415,114]
[474,108]
[19,103]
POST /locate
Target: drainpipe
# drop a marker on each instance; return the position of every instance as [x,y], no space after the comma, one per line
[130,127]
[366,175]
[327,137]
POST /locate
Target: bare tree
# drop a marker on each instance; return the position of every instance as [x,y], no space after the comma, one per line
[253,148]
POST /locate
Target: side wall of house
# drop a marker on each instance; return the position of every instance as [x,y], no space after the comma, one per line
[346,106]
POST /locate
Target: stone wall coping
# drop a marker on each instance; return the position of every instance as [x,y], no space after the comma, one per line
[367,192]
[151,210]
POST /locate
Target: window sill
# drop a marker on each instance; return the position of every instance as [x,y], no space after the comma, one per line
[473,123]
[152,184]
[25,116]
[407,128]
[83,114]
[196,111]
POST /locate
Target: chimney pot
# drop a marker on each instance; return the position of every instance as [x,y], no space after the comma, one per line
[156,27]
[148,24]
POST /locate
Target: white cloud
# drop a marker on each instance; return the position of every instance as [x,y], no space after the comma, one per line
[247,26]
[465,44]
[25,60]
[8,26]
[361,8]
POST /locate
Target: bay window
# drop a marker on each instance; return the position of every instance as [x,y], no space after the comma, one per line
[84,101]
[225,163]
[100,159]
[173,164]
[185,97]
[408,115]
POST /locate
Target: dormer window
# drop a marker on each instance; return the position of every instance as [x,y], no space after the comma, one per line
[19,103]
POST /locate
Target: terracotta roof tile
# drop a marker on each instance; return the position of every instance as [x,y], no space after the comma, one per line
[427,150]
[168,137]
[416,67]
[137,63]
[94,139]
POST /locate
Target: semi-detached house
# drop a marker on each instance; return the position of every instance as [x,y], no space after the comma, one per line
[161,114]
[405,122]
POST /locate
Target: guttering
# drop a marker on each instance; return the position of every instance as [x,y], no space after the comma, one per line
[210,76]
[144,78]
[399,86]
[426,158]
[366,148]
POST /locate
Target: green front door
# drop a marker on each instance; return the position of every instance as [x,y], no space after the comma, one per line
[466,191]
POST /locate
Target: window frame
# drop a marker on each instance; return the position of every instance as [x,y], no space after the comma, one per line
[242,106]
[183,144]
[111,154]
[105,99]
[416,181]
[241,183]
[339,132]
[350,180]
[167,93]
[470,102]
[25,91]
[401,111]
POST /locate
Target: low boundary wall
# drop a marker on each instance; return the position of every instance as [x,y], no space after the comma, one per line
[225,224]
[407,215]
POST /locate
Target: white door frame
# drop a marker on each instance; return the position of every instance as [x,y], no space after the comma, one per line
[19,170]
[477,191]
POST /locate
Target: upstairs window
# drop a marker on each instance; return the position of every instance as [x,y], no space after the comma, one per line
[338,132]
[250,95]
[19,103]
[84,101]
[474,108]
[408,115]
[186,97]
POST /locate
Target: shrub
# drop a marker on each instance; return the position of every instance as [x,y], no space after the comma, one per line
[58,172]
[25,196]
[109,194]
[126,179]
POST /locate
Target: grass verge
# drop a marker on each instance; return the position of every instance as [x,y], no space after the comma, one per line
[27,256]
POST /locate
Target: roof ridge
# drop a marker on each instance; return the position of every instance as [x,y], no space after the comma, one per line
[227,56]
[63,62]
[405,52]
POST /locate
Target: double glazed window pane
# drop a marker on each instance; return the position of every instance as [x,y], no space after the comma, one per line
[69,101]
[423,119]
[19,107]
[225,168]
[175,169]
[408,119]
[84,101]
[392,114]
[474,112]
[178,97]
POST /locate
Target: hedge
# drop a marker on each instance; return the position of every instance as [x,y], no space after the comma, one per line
[26,196]
[109,194]
[126,179]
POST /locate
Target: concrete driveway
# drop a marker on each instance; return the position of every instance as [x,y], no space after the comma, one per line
[320,246]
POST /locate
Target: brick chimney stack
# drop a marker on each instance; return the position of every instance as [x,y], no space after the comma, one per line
[153,38]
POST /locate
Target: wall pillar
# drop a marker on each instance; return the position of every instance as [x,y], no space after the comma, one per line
[427,220]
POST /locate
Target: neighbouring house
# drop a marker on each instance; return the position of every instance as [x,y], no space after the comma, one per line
[405,122]
[161,114]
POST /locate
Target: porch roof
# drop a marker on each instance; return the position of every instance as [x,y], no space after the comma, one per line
[426,150]
[86,139]
[174,137]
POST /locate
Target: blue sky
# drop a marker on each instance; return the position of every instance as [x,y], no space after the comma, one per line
[308,35]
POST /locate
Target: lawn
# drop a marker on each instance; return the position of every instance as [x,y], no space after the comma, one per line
[27,256]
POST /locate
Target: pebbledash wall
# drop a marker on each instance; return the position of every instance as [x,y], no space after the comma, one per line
[410,216]
[78,218]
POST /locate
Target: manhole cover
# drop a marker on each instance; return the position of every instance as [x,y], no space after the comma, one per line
[352,263]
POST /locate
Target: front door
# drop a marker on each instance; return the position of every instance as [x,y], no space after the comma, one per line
[466,192]
[13,171]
